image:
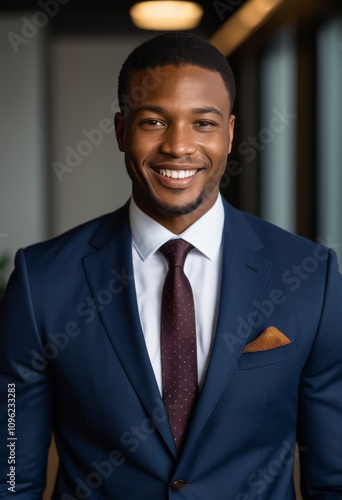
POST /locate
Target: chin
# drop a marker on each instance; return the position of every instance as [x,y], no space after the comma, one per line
[178,210]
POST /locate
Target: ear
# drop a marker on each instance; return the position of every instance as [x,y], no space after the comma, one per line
[231,125]
[119,124]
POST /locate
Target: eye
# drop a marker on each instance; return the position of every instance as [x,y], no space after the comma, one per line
[205,124]
[151,123]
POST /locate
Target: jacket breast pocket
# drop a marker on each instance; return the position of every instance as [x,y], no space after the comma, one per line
[250,360]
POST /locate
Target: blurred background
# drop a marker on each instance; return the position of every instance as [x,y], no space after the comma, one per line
[60,164]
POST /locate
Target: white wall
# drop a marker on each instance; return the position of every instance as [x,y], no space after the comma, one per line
[83,89]
[50,91]
[22,137]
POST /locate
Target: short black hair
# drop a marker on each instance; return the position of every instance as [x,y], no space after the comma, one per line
[176,48]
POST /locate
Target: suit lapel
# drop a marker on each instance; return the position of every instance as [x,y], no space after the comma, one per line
[244,276]
[111,269]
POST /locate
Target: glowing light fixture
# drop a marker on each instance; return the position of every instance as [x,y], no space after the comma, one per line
[243,23]
[166,15]
[257,12]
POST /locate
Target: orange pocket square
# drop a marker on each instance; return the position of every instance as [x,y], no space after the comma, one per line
[268,339]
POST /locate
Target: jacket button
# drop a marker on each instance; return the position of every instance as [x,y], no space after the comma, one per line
[177,485]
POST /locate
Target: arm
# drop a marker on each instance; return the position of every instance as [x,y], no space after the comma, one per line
[320,400]
[25,446]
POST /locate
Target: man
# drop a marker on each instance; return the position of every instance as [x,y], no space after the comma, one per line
[163,379]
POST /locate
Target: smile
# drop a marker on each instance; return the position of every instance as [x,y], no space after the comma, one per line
[177,174]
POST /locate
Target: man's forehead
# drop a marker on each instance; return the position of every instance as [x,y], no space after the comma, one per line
[150,79]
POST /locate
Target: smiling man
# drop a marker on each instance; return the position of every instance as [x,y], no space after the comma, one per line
[177,134]
[176,142]
[175,347]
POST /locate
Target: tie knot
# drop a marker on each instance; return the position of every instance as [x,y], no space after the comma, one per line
[175,251]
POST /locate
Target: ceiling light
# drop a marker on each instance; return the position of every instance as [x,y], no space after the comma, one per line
[166,15]
[243,24]
[255,13]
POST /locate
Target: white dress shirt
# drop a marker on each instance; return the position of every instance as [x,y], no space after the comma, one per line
[202,267]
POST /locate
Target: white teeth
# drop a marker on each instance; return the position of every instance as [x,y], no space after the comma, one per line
[177,174]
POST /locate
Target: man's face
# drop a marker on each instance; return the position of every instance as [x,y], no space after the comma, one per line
[176,139]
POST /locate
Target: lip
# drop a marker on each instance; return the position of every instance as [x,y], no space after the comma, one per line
[178,166]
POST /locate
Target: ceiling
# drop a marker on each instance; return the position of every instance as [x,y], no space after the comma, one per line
[77,17]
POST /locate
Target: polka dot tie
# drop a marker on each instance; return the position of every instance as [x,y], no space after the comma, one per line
[178,340]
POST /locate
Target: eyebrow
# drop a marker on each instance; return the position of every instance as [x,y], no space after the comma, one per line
[196,111]
[208,109]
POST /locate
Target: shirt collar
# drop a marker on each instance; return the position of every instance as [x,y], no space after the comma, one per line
[205,234]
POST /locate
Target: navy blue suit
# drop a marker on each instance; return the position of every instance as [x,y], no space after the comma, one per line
[72,344]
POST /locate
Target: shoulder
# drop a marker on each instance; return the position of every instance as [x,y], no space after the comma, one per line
[84,237]
[272,242]
[64,253]
[273,236]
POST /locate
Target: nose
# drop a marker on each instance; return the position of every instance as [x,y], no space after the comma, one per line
[178,141]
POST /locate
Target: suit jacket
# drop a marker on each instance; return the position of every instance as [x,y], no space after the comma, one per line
[73,349]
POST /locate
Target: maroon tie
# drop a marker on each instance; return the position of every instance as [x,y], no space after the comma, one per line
[178,340]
